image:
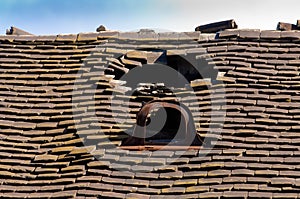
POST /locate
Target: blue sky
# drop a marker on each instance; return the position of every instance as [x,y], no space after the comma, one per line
[73,16]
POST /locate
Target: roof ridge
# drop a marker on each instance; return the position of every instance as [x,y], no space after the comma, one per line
[93,36]
[259,34]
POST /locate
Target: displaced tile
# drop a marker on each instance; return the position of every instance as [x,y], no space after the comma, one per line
[45,158]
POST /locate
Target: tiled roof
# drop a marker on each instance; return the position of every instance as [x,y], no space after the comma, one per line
[52,146]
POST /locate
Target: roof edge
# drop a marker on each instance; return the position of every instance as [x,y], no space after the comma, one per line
[94,36]
[254,34]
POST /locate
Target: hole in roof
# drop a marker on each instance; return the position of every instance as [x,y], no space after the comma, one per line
[177,130]
[142,71]
[160,131]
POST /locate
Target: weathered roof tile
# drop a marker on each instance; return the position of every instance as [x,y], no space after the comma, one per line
[66,37]
[249,34]
[87,37]
[270,34]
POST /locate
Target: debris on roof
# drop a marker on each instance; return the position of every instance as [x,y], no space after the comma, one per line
[16,31]
[217,26]
[146,30]
[288,26]
[153,89]
[101,28]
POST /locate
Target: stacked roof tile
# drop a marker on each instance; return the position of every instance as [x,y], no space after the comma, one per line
[53,146]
